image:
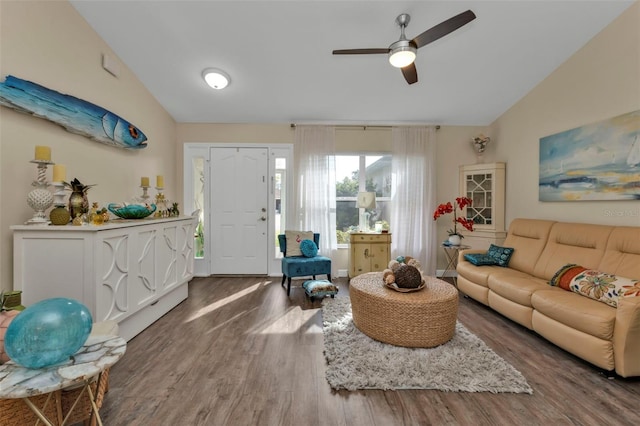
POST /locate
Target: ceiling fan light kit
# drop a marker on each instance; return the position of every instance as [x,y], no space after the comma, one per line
[216,78]
[402,53]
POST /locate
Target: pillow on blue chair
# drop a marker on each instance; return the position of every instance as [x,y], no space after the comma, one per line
[308,248]
[480,259]
[502,255]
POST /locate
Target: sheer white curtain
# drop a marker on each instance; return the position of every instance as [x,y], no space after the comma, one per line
[315,184]
[413,169]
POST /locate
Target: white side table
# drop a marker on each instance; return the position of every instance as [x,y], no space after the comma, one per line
[97,354]
[452,259]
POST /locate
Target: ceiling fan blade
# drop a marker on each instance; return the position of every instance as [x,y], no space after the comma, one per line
[444,28]
[410,73]
[360,51]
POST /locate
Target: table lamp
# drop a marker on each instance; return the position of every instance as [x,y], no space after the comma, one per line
[365,200]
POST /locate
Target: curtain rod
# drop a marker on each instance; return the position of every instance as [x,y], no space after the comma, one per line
[361,126]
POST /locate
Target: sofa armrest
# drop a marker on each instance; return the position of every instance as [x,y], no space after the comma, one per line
[626,337]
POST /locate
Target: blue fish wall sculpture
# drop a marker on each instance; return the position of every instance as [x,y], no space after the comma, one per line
[75,115]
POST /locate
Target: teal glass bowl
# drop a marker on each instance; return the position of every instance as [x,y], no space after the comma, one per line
[132,211]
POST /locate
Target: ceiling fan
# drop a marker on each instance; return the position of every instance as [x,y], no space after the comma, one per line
[402,53]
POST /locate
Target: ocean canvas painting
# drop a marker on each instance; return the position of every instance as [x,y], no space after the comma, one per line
[599,161]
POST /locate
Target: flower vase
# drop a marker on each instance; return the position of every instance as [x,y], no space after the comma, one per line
[455,240]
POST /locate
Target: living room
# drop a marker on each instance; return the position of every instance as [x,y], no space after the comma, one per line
[50,43]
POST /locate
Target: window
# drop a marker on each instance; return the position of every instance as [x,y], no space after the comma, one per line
[356,173]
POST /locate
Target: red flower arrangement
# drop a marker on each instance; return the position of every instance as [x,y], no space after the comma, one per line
[442,209]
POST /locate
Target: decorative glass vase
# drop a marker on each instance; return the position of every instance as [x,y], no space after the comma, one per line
[48,332]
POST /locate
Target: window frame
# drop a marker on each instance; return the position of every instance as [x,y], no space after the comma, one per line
[362,179]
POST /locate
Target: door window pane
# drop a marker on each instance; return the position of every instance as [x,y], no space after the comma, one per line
[198,202]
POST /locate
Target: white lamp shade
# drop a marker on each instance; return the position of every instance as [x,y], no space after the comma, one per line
[216,78]
[366,200]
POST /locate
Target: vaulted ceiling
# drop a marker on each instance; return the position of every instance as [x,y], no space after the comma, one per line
[279,56]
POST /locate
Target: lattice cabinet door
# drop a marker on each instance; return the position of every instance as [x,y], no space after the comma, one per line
[485,185]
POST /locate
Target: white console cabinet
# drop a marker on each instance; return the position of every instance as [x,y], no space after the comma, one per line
[128,271]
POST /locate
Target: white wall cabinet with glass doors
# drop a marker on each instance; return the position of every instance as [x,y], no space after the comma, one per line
[485,185]
[241,191]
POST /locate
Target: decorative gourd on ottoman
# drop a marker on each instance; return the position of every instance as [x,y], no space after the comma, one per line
[408,277]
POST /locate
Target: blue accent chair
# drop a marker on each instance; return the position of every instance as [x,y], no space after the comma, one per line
[300,266]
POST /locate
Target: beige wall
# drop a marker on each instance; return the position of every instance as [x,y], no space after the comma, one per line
[454,148]
[600,81]
[49,43]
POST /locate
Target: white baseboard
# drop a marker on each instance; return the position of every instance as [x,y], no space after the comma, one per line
[440,273]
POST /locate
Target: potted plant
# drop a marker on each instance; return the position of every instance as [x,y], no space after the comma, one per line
[454,236]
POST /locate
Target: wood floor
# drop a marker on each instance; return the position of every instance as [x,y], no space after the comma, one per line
[239,352]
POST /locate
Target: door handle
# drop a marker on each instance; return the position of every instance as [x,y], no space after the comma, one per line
[366,253]
[263,218]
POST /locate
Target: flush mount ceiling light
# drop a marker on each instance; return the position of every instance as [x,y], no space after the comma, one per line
[216,78]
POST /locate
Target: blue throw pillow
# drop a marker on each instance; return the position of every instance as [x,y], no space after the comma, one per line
[480,259]
[501,255]
[308,248]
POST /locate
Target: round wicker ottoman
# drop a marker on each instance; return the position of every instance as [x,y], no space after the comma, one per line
[421,319]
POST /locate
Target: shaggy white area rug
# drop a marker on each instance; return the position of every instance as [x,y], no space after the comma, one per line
[465,363]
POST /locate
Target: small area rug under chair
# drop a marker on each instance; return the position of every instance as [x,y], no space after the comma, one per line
[464,364]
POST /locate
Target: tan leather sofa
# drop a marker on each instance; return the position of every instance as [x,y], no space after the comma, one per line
[605,336]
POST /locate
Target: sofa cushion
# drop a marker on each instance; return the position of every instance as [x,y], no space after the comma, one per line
[579,243]
[581,313]
[477,275]
[516,286]
[480,259]
[528,237]
[622,254]
[500,254]
[603,287]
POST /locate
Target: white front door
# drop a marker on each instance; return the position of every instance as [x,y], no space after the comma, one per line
[239,209]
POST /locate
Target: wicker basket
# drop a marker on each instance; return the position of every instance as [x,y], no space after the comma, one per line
[15,412]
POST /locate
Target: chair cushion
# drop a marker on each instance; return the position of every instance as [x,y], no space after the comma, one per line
[308,248]
[320,288]
[303,266]
[294,238]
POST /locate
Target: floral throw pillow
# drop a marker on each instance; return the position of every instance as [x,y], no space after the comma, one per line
[501,255]
[606,288]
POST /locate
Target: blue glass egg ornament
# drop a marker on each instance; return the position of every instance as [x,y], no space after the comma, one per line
[400,259]
[48,332]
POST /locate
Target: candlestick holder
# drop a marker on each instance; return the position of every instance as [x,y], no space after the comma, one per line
[161,203]
[145,195]
[40,198]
